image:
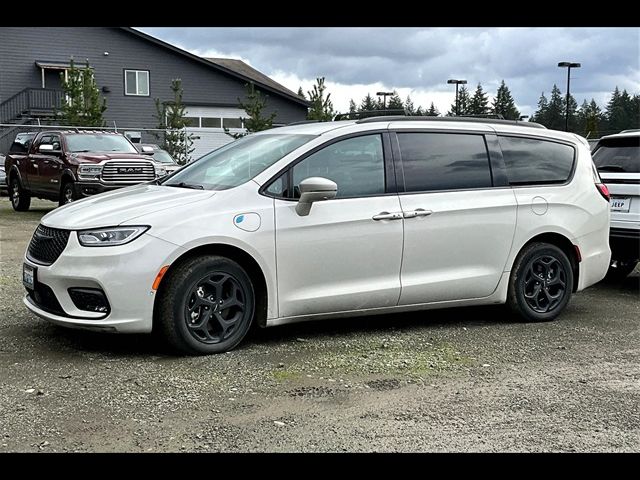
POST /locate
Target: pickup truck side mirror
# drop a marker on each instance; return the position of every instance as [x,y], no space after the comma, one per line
[48,148]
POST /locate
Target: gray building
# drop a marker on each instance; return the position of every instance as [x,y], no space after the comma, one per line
[132,69]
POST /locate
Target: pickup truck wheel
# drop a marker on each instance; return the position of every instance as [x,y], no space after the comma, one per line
[67,193]
[20,199]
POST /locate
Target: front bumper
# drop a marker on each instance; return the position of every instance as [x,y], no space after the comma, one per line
[124,273]
[88,188]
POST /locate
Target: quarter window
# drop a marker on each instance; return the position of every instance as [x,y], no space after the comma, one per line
[136,82]
[355,164]
[444,161]
[531,161]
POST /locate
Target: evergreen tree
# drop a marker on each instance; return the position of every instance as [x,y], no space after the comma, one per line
[573,108]
[352,107]
[555,110]
[409,108]
[419,112]
[82,104]
[622,112]
[581,118]
[321,106]
[479,104]
[301,93]
[594,119]
[540,114]
[504,104]
[254,121]
[433,111]
[395,102]
[367,104]
[464,99]
[171,118]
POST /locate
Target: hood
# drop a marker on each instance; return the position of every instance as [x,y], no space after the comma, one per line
[121,206]
[97,157]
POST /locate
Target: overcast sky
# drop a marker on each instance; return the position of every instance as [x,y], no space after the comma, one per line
[418,61]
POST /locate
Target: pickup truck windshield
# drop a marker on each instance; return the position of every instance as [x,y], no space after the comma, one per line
[237,162]
[85,142]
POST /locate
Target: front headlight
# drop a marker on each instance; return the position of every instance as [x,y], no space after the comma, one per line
[108,237]
[89,170]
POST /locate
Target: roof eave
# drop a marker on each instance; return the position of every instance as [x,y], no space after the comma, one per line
[203,61]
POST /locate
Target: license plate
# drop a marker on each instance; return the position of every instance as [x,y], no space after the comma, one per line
[620,204]
[28,276]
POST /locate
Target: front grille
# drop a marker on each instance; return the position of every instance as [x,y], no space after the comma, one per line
[128,171]
[47,244]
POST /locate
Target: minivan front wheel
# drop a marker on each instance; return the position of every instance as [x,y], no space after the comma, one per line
[541,283]
[206,305]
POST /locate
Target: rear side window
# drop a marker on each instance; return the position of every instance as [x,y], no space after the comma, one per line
[618,155]
[532,162]
[444,161]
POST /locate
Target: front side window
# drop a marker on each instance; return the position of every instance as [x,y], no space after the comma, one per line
[85,142]
[444,161]
[136,82]
[531,161]
[356,165]
[237,162]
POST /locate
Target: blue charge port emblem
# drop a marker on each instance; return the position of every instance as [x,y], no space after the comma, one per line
[249,222]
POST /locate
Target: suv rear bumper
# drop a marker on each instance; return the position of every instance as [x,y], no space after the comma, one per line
[625,243]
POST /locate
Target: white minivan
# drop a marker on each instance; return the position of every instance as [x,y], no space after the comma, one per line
[333,219]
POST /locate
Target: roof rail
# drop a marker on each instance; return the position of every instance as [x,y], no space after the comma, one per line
[395,118]
[369,113]
[302,122]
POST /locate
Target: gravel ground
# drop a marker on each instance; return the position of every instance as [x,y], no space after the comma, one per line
[469,379]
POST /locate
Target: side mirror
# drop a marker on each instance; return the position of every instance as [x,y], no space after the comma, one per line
[45,148]
[314,189]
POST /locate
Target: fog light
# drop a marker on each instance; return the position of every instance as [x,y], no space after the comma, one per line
[90,300]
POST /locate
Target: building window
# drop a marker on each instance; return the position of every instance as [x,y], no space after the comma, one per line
[192,121]
[232,123]
[211,122]
[136,82]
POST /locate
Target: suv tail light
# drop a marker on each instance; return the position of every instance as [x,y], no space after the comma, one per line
[604,191]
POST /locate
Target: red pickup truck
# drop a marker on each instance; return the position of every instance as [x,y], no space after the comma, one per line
[66,165]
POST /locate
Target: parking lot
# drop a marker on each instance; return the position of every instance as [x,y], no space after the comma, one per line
[470,379]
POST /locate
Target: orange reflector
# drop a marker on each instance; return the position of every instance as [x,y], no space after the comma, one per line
[156,282]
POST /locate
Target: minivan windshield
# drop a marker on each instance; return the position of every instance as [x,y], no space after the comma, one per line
[86,142]
[237,162]
[618,155]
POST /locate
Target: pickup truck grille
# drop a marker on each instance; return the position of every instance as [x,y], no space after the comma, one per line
[128,171]
[47,244]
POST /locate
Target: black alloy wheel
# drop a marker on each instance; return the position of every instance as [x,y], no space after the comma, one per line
[544,283]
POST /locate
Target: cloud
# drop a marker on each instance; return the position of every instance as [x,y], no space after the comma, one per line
[418,61]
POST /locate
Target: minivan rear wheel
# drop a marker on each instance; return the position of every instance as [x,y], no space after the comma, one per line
[206,305]
[540,284]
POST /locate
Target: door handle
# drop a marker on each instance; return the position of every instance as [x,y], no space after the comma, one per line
[419,212]
[388,216]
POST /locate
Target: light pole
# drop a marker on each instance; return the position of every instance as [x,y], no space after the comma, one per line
[569,66]
[456,82]
[384,95]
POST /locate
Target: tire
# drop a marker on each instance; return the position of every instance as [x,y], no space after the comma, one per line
[540,299]
[190,317]
[20,198]
[620,269]
[67,193]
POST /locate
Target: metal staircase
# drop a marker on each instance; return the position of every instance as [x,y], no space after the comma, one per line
[26,107]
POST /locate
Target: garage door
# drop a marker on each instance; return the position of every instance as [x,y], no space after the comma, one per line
[207,125]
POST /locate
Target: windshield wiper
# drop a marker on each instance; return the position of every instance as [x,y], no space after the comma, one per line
[185,185]
[612,168]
